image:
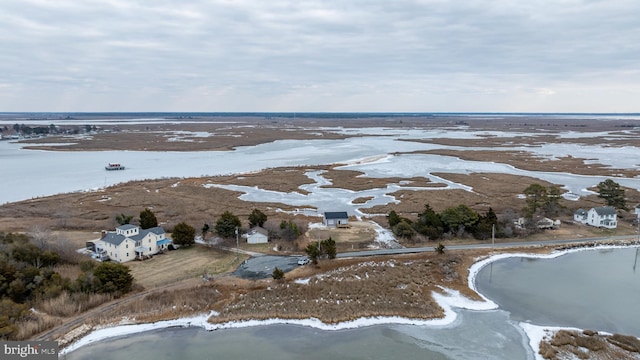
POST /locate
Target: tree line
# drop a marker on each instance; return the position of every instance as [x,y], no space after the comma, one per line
[27,277]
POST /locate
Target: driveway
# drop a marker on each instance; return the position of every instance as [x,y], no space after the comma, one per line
[261,267]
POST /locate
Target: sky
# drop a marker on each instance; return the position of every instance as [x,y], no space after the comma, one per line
[320,55]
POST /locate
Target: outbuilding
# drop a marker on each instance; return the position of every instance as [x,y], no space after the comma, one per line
[336,219]
[257,235]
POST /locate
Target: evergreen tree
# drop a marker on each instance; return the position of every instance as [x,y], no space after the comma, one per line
[227,224]
[611,192]
[148,219]
[257,218]
[183,234]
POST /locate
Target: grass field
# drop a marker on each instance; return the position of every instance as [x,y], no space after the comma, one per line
[185,263]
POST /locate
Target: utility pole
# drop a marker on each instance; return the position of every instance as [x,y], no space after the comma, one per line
[237,254]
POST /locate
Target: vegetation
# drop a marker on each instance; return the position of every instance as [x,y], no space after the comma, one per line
[148,219]
[457,221]
[289,230]
[123,219]
[28,278]
[327,249]
[277,274]
[227,224]
[183,234]
[205,229]
[544,200]
[257,218]
[611,192]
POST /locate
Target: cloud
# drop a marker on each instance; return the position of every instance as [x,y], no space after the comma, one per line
[251,55]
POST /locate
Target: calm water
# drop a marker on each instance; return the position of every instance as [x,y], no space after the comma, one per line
[598,289]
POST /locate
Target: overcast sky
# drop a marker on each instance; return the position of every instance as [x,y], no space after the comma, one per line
[320,56]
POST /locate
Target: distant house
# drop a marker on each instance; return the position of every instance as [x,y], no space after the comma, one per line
[602,216]
[129,242]
[336,219]
[257,235]
[546,223]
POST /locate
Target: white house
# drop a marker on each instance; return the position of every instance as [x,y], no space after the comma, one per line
[336,219]
[602,216]
[129,242]
[257,235]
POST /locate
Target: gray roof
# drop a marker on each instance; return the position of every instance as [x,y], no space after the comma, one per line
[336,215]
[117,239]
[605,210]
[581,211]
[113,238]
[260,230]
[126,227]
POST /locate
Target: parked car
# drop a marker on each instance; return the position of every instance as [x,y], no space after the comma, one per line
[303,260]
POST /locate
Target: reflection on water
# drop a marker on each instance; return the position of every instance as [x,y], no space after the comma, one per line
[597,289]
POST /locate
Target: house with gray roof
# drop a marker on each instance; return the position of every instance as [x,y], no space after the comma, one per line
[129,242]
[602,217]
[336,219]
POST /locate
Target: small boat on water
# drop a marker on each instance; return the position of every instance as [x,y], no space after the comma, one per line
[114,166]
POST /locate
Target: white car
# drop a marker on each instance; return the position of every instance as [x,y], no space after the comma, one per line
[303,260]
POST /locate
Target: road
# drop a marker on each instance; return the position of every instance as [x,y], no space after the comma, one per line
[506,245]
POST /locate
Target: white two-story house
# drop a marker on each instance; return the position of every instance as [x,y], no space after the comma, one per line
[129,242]
[602,216]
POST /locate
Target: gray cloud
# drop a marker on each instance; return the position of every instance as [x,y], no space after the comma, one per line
[251,55]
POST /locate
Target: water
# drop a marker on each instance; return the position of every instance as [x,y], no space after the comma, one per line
[474,335]
[595,289]
[598,289]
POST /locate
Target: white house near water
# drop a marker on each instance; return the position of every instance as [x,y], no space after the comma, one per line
[129,242]
[257,235]
[602,216]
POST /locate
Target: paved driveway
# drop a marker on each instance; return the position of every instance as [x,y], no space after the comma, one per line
[262,267]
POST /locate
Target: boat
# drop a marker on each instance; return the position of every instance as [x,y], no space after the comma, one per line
[114,166]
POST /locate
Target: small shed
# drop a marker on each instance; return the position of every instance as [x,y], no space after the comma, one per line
[336,219]
[257,235]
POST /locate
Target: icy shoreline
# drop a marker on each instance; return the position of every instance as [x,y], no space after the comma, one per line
[451,299]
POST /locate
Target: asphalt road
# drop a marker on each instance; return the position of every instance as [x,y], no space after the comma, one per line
[483,246]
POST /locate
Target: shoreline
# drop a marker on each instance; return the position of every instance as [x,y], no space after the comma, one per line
[448,301]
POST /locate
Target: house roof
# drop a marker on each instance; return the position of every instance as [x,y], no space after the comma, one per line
[113,238]
[605,210]
[126,227]
[336,215]
[259,230]
[117,239]
[581,212]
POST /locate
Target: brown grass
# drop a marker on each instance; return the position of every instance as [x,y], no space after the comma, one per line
[71,304]
[566,344]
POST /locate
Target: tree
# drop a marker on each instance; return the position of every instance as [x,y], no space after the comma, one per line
[404,230]
[205,230]
[485,225]
[328,247]
[227,224]
[113,277]
[277,274]
[183,234]
[148,219]
[458,218]
[611,192]
[393,218]
[123,219]
[257,218]
[429,224]
[289,230]
[536,195]
[551,205]
[313,252]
